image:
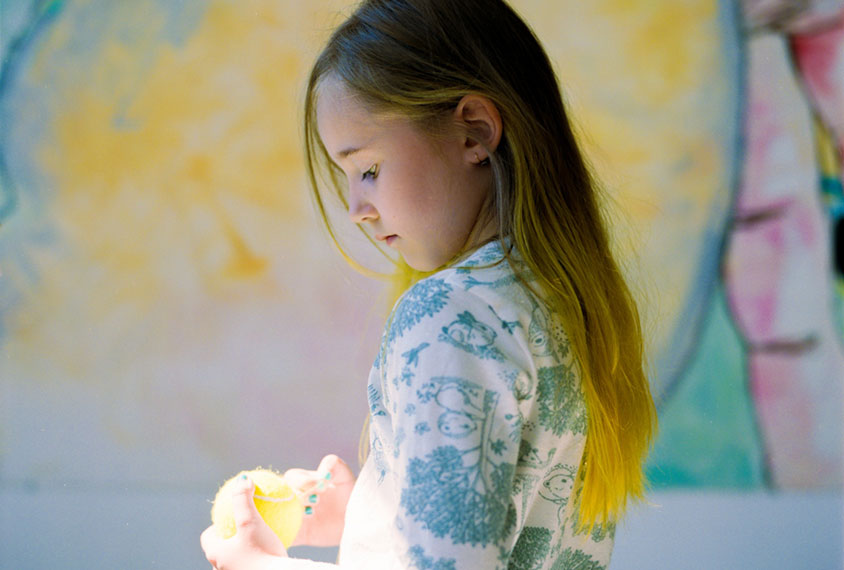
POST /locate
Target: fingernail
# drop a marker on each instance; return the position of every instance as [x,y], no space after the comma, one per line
[313,499]
[326,477]
[309,510]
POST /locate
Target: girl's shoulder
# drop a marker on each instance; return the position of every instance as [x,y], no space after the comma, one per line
[485,276]
[487,272]
[481,293]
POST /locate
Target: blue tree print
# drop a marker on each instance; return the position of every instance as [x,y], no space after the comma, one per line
[425,299]
[523,483]
[466,503]
[462,494]
[561,406]
[418,560]
[531,549]
[573,558]
[598,533]
[602,531]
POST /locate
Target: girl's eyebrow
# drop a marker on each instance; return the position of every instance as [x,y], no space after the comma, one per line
[347,152]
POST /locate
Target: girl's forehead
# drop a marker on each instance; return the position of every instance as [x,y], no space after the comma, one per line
[341,120]
[333,97]
[344,123]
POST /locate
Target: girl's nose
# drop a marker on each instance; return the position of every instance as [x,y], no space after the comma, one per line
[360,209]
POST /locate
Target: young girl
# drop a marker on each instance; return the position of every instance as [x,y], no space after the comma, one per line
[509,410]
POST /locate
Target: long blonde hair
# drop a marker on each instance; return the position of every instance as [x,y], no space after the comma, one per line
[418,58]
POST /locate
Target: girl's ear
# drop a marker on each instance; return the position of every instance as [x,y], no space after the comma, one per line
[482,121]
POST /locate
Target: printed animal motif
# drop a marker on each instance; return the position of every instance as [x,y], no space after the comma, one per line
[462,402]
[411,358]
[540,343]
[473,336]
[470,282]
[456,424]
[546,335]
[508,326]
[557,487]
[529,456]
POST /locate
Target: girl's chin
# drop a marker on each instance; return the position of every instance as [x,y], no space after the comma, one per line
[415,263]
[424,266]
[425,261]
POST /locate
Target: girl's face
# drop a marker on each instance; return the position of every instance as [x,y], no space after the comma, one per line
[421,196]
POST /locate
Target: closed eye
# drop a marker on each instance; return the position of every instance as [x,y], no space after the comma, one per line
[372,173]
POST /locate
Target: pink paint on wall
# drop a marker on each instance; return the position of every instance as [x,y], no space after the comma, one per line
[820,57]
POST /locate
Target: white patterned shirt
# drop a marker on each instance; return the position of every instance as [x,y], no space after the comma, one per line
[477,428]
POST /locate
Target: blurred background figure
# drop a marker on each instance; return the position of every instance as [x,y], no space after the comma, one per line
[778,263]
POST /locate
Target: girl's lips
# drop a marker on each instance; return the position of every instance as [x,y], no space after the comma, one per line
[388,239]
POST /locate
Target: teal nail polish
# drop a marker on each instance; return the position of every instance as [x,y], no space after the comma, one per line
[313,499]
[309,510]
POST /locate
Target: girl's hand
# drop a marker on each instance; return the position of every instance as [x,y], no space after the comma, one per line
[326,491]
[254,546]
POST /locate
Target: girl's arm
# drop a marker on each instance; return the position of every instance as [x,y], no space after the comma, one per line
[450,425]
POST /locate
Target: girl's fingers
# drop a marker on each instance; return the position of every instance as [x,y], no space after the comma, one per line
[300,478]
[210,541]
[328,463]
[331,471]
[243,505]
[340,472]
[251,528]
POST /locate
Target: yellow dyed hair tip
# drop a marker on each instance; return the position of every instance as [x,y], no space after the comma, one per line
[275,500]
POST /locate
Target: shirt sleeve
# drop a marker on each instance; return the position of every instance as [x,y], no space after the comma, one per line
[449,376]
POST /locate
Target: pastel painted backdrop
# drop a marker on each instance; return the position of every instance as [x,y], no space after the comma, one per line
[171,311]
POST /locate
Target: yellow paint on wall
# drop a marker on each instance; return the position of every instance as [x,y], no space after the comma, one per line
[193,150]
[178,172]
[170,151]
[177,179]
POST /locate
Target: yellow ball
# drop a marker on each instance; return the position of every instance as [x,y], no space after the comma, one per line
[277,503]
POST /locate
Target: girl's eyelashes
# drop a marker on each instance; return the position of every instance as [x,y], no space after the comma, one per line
[371,173]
